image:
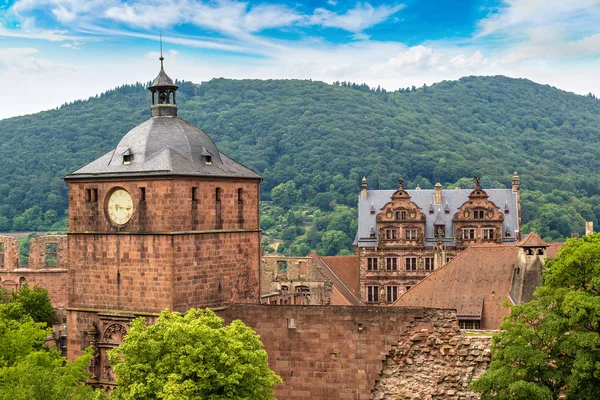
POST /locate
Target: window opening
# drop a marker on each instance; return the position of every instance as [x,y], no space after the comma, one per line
[371,264]
[372,294]
[411,263]
[240,205]
[218,208]
[469,233]
[51,254]
[410,234]
[428,263]
[282,267]
[478,214]
[488,233]
[391,263]
[392,293]
[469,324]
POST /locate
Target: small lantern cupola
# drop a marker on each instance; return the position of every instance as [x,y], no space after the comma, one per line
[163,103]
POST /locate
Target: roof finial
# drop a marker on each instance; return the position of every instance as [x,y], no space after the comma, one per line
[161,56]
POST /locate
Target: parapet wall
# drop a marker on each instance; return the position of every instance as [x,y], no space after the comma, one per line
[335,352]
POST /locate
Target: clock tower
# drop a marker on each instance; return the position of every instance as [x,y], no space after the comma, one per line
[165,220]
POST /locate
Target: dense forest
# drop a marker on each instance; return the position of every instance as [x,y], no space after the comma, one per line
[313,142]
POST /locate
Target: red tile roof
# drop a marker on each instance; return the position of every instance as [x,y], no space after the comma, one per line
[345,265]
[474,283]
[553,248]
[532,240]
[347,268]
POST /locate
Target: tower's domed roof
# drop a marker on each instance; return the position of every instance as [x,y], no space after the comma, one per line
[165,146]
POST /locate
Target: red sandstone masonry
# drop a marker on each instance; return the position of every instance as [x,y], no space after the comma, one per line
[168,205]
[174,253]
[333,352]
[53,278]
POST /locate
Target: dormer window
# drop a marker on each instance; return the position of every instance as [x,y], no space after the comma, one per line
[127,157]
[206,156]
[439,230]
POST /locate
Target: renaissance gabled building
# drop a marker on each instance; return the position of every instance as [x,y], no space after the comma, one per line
[404,235]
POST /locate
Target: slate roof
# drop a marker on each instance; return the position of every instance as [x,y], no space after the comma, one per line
[162,79]
[165,146]
[424,198]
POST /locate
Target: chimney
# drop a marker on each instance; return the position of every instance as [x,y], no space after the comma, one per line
[589,227]
[438,193]
[363,193]
[516,188]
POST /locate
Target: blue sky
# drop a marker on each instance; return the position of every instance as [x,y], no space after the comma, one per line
[55,51]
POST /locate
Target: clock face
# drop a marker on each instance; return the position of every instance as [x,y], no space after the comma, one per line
[120,207]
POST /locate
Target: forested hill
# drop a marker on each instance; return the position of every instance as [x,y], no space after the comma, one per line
[318,140]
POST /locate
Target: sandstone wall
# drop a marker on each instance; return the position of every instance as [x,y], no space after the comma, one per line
[37,273]
[334,352]
[167,205]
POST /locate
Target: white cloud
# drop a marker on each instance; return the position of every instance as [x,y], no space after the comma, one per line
[169,55]
[362,17]
[413,59]
[72,45]
[532,13]
[24,61]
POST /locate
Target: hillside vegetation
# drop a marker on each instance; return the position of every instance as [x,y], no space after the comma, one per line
[313,142]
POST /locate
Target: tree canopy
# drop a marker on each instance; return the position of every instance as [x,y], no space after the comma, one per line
[31,371]
[35,302]
[191,356]
[550,347]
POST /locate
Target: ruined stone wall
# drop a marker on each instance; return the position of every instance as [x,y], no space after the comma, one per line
[54,278]
[437,363]
[9,259]
[300,273]
[335,352]
[38,248]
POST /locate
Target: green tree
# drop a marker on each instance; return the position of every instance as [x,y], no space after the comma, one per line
[550,347]
[45,375]
[285,194]
[36,303]
[31,371]
[191,356]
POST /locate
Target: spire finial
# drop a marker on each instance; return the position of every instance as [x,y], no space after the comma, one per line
[161,58]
